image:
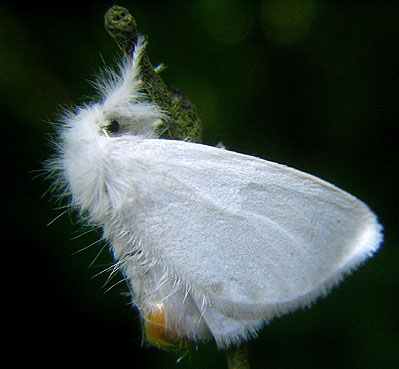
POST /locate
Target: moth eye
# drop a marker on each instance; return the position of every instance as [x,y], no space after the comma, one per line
[113,126]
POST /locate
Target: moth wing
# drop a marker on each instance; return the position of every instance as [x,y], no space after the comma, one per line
[252,238]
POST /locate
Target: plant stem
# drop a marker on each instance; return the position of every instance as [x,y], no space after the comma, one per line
[183,122]
[237,357]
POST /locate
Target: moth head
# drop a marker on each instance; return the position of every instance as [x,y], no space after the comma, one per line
[136,117]
[125,108]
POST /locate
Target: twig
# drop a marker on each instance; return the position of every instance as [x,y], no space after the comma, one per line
[183,122]
[237,357]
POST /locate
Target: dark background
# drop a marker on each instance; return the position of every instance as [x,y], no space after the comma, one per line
[312,84]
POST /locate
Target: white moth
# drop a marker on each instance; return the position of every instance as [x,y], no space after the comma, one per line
[212,243]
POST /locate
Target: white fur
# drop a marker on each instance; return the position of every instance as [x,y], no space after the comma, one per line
[225,241]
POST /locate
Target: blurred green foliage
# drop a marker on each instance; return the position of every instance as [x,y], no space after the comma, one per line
[312,84]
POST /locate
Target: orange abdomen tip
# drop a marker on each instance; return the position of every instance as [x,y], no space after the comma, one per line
[157,332]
